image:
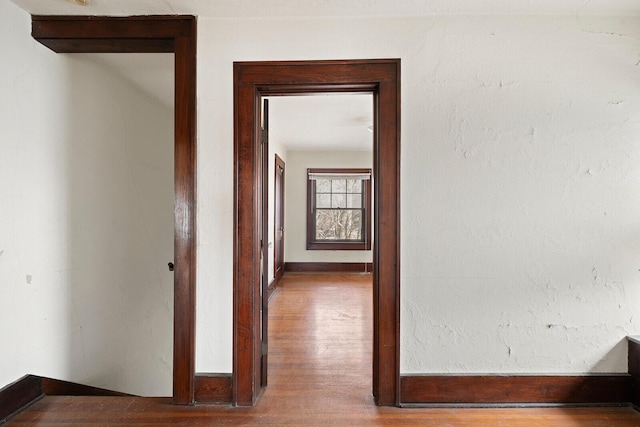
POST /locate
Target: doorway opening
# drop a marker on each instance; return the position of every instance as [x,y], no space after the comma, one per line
[252,82]
[155,34]
[327,142]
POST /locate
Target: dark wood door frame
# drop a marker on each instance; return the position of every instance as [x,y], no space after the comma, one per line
[153,34]
[264,238]
[278,218]
[252,81]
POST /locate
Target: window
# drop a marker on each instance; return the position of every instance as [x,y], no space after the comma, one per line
[339,209]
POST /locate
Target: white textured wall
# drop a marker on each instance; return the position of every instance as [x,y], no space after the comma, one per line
[295,246]
[86,221]
[520,183]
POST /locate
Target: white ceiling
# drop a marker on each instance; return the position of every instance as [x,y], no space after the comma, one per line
[319,122]
[327,8]
[327,122]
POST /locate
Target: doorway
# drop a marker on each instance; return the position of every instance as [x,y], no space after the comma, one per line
[155,34]
[252,82]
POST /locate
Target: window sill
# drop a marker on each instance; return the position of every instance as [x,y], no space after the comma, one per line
[338,246]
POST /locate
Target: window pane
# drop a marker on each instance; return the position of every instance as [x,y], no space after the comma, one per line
[353,226]
[325,224]
[338,201]
[354,186]
[323,186]
[323,200]
[354,201]
[338,224]
[339,185]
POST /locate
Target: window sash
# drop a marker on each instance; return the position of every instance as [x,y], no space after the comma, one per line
[354,196]
[360,230]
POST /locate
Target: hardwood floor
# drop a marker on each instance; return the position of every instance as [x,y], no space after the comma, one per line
[319,374]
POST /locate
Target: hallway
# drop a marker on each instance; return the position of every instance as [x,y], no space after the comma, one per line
[319,374]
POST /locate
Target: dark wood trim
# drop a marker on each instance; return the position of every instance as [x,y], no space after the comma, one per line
[633,359]
[177,34]
[213,388]
[96,34]
[18,395]
[635,393]
[184,328]
[53,387]
[30,388]
[279,163]
[108,46]
[332,245]
[272,287]
[307,267]
[253,80]
[264,239]
[470,390]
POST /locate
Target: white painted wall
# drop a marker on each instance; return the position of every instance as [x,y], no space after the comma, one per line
[520,202]
[295,246]
[520,177]
[86,221]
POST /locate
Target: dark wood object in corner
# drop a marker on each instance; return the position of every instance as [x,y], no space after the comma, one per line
[467,390]
[18,395]
[152,34]
[634,368]
[307,267]
[213,388]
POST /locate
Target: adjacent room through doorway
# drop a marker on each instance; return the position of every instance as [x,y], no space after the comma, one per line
[318,238]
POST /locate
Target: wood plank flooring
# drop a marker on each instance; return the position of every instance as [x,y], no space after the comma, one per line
[319,375]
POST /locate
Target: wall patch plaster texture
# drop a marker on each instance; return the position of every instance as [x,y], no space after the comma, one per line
[520,175]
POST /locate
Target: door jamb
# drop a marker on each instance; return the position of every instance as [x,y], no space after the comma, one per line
[278,163]
[155,34]
[253,80]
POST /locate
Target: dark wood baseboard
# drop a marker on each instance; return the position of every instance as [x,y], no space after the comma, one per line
[28,389]
[491,390]
[634,368]
[53,387]
[272,287]
[18,395]
[308,267]
[213,388]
